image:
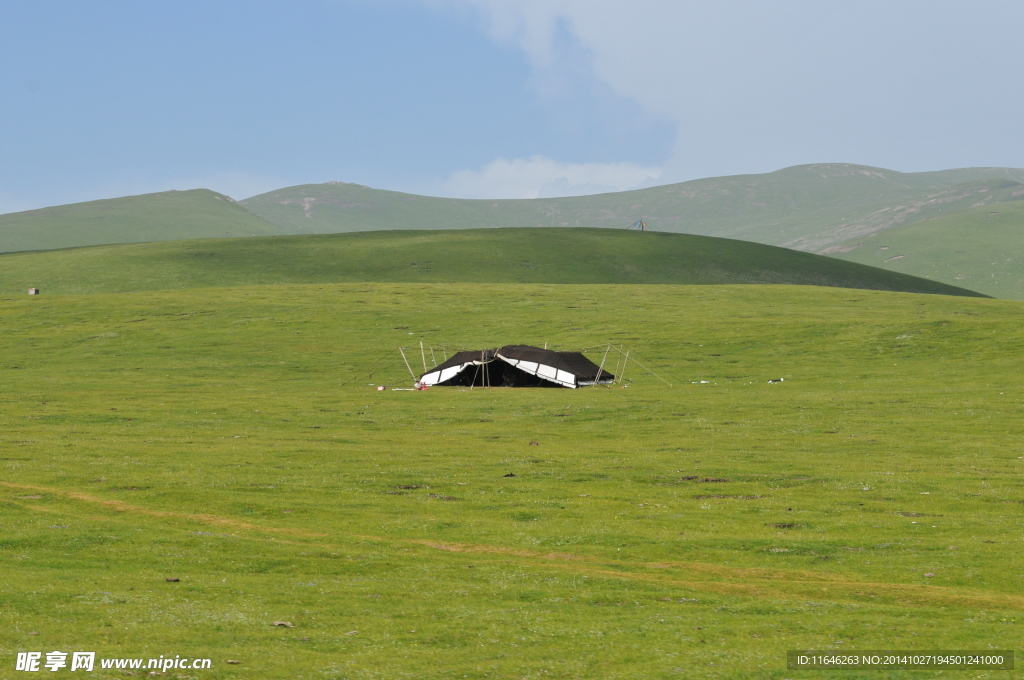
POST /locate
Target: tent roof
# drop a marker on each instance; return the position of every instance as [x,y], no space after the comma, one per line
[582,369]
[463,358]
[571,362]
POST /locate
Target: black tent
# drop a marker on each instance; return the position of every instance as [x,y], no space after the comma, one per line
[517,366]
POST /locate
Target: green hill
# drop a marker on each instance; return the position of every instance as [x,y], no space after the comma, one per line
[980,248]
[165,216]
[808,207]
[472,255]
[823,208]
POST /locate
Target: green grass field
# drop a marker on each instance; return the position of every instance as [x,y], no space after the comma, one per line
[981,248]
[231,438]
[166,216]
[469,256]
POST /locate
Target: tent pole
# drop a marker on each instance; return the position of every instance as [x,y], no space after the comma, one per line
[472,384]
[370,374]
[601,367]
[652,373]
[407,364]
[423,356]
[432,357]
[675,377]
[622,376]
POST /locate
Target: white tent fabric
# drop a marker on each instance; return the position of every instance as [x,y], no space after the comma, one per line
[563,378]
[435,377]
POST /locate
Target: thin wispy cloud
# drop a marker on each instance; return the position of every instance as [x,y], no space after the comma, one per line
[540,177]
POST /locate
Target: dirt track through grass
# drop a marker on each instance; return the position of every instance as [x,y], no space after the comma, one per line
[775,584]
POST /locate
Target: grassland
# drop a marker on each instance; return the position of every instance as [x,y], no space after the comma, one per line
[166,216]
[477,256]
[230,437]
[806,207]
[981,248]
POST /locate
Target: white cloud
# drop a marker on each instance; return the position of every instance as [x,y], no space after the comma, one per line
[530,24]
[630,43]
[754,86]
[540,177]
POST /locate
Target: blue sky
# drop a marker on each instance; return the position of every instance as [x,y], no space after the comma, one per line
[493,98]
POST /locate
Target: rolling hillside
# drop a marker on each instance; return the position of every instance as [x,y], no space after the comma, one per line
[808,207]
[165,216]
[479,255]
[980,248]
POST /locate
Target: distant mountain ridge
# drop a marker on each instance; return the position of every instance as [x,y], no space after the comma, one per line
[807,207]
[164,216]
